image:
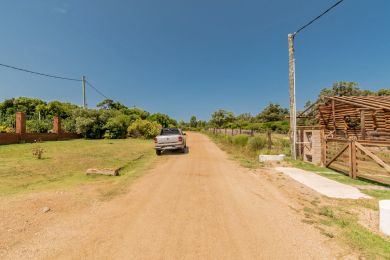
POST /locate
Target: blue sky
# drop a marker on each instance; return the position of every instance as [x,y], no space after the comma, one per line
[191,57]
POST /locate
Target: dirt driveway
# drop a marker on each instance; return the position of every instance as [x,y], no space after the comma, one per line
[199,205]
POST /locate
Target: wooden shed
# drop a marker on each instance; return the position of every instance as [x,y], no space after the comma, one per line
[361,117]
[352,136]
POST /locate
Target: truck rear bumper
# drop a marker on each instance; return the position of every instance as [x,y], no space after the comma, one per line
[162,147]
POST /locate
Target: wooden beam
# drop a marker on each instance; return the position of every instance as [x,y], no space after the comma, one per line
[333,114]
[104,171]
[352,160]
[337,155]
[312,105]
[363,124]
[374,157]
[350,102]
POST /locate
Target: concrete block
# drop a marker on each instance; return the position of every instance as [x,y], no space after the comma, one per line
[264,157]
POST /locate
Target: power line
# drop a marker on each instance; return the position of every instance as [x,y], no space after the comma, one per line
[318,17]
[39,73]
[97,90]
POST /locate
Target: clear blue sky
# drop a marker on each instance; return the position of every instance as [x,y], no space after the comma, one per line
[191,57]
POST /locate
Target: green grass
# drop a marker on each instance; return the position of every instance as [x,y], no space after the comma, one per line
[340,223]
[64,163]
[241,147]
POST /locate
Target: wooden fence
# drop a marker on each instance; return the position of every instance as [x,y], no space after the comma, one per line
[229,131]
[365,159]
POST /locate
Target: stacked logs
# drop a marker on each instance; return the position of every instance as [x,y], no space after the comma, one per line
[370,120]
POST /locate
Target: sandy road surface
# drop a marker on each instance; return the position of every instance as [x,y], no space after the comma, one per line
[199,205]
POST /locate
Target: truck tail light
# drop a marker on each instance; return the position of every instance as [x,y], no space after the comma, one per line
[180,139]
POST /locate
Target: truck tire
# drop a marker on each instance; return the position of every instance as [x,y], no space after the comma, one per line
[158,152]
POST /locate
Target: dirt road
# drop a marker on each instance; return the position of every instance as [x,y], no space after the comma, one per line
[199,205]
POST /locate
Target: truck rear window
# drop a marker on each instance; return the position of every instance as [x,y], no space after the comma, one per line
[170,131]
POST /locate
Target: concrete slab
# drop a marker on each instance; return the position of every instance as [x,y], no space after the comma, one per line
[325,186]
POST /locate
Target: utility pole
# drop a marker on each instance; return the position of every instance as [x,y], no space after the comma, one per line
[293,114]
[84,97]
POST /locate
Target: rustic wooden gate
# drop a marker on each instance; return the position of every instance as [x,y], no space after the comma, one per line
[365,159]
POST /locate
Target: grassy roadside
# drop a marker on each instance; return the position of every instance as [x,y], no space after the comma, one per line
[348,221]
[246,149]
[64,164]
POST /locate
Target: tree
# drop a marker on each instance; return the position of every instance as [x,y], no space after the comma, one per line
[193,122]
[384,92]
[272,112]
[111,104]
[221,118]
[162,119]
[341,88]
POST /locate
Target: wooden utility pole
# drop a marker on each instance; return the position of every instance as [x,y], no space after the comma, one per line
[293,114]
[84,98]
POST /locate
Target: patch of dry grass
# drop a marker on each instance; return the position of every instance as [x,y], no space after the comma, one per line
[64,163]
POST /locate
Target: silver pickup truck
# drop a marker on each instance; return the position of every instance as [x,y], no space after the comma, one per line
[170,139]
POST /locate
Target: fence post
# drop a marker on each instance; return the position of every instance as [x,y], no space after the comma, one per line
[352,159]
[20,123]
[269,140]
[324,145]
[56,125]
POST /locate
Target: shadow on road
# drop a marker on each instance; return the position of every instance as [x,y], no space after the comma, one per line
[176,152]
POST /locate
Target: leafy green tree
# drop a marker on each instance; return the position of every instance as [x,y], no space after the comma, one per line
[87,123]
[111,104]
[341,88]
[61,109]
[144,128]
[162,119]
[272,112]
[221,118]
[193,121]
[384,92]
[136,113]
[116,127]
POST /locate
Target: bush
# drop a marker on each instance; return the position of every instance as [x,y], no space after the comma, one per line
[116,127]
[5,129]
[88,123]
[284,143]
[144,128]
[69,125]
[257,143]
[228,139]
[39,126]
[240,140]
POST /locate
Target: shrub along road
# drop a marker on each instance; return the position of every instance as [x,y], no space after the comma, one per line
[198,205]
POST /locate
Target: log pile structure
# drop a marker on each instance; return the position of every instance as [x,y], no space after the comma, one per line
[361,117]
[355,135]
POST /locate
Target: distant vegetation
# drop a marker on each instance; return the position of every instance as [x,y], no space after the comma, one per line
[273,117]
[112,120]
